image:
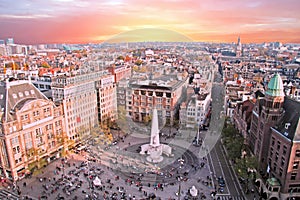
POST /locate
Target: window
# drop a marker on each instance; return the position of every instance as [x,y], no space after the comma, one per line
[27,136]
[293,176]
[47,110]
[36,113]
[278,145]
[275,167]
[58,123]
[18,160]
[282,161]
[296,165]
[28,144]
[297,153]
[280,172]
[261,126]
[273,141]
[16,150]
[276,156]
[15,141]
[49,127]
[284,150]
[271,152]
[38,131]
[24,117]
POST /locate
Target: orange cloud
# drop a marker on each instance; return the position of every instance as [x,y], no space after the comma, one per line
[78,21]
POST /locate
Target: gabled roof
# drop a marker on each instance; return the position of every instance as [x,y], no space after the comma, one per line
[14,95]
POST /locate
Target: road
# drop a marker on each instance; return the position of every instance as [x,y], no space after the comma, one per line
[220,166]
[218,162]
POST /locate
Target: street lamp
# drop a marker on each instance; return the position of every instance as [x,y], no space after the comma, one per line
[179,178]
[198,134]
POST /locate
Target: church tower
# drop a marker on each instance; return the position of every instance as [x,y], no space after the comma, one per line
[238,48]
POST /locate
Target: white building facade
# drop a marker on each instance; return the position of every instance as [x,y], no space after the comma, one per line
[79,97]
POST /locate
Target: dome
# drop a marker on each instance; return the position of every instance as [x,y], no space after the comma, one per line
[275,86]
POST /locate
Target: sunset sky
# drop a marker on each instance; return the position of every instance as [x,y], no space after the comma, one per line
[81,21]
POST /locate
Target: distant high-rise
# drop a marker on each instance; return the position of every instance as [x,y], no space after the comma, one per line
[2,42]
[9,41]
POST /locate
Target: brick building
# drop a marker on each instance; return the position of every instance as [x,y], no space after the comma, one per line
[275,141]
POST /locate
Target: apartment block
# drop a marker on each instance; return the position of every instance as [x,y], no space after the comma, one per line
[164,93]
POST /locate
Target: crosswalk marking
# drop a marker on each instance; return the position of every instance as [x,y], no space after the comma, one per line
[4,194]
[229,198]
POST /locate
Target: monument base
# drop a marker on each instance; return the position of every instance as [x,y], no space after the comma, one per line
[154,152]
[154,160]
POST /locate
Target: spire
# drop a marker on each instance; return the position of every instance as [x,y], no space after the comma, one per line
[154,141]
[275,86]
[239,40]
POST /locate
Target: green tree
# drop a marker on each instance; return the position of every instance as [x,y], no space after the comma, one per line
[234,147]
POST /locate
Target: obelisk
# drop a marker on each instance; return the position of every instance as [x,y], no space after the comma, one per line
[154,137]
[154,149]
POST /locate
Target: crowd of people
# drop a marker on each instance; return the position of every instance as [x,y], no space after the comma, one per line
[74,178]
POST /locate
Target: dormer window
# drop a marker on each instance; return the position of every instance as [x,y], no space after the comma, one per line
[287,125]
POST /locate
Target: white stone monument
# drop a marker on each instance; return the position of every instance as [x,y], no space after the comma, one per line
[155,149]
[193,191]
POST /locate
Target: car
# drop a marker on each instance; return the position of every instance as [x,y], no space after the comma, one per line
[221,181]
[221,190]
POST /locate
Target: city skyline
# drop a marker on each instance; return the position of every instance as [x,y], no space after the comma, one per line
[79,21]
